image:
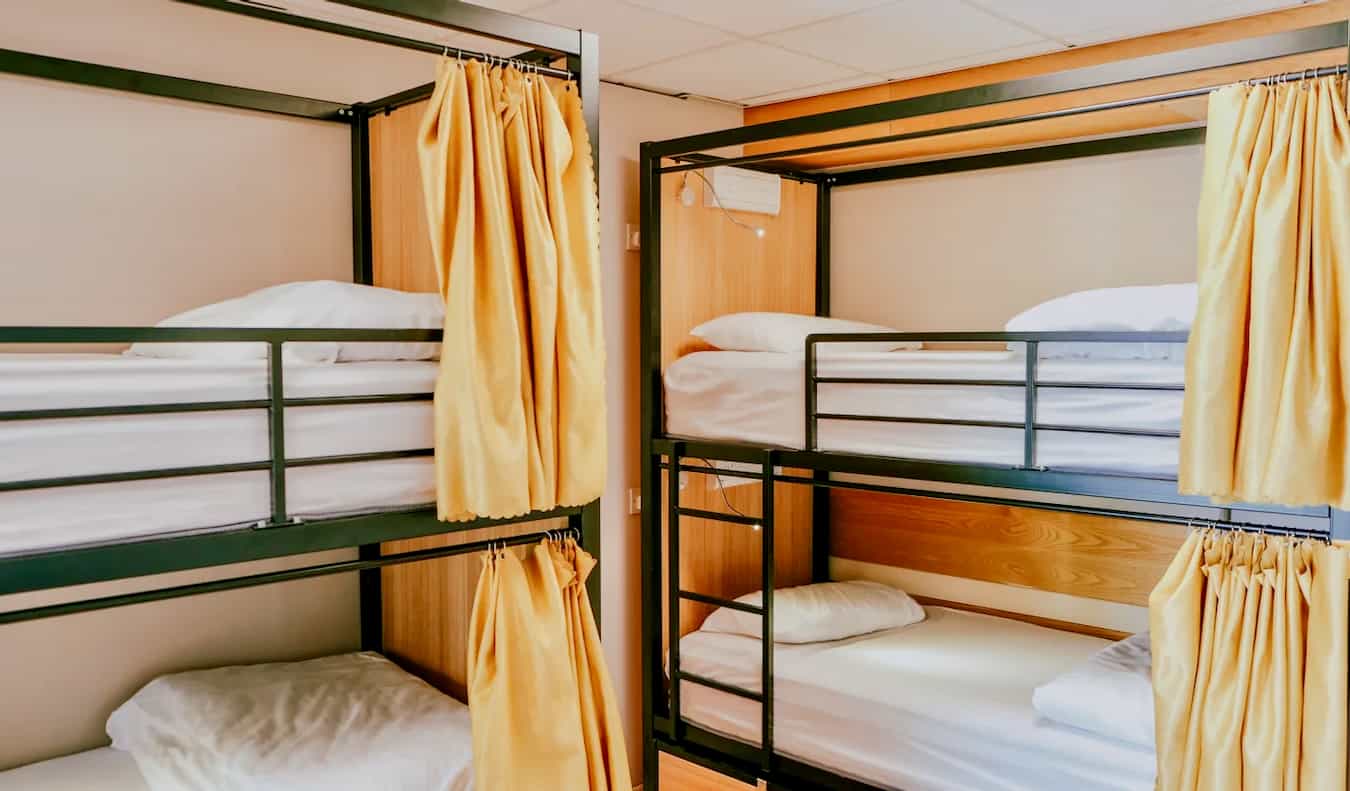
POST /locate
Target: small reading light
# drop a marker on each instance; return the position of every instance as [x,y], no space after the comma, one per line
[687,197]
[755,527]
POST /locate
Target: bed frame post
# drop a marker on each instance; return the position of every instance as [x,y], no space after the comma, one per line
[649,387]
[587,527]
[363,271]
[820,494]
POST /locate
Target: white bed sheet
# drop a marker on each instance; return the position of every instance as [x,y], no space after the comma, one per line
[943,705]
[104,769]
[63,517]
[757,397]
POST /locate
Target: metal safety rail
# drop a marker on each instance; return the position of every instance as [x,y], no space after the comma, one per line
[280,533]
[1029,425]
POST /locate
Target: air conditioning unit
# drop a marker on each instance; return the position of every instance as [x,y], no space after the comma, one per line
[743,190]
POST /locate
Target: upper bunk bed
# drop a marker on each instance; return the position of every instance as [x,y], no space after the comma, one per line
[1097,423]
[1000,420]
[126,466]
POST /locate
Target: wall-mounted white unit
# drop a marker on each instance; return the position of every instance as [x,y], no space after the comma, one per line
[743,190]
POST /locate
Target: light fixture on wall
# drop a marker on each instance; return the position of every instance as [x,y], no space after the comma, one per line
[688,198]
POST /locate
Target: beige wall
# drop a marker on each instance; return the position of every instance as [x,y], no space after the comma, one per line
[627,118]
[122,209]
[134,207]
[967,251]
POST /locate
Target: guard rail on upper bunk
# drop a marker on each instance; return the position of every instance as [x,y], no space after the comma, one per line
[1028,475]
[280,534]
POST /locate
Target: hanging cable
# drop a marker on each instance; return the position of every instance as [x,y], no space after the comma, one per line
[721,489]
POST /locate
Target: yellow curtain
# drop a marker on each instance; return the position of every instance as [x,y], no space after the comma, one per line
[544,711]
[509,188]
[1249,665]
[1268,372]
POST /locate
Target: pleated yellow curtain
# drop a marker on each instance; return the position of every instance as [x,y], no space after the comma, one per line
[509,188]
[1268,365]
[1249,665]
[544,711]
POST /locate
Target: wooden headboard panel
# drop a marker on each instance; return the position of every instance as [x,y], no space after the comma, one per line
[710,266]
[1103,558]
[400,243]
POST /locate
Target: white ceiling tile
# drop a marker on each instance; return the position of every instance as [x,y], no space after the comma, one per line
[744,68]
[981,59]
[905,34]
[630,36]
[755,18]
[1080,23]
[814,90]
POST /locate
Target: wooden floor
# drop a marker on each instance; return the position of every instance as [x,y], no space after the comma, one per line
[679,775]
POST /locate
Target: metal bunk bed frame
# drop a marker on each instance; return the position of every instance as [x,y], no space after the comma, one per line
[280,535]
[664,729]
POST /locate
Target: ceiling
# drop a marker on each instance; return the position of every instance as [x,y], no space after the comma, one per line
[761,51]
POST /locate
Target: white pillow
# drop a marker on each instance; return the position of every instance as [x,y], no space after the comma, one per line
[316,303]
[786,333]
[823,611]
[1110,695]
[1167,308]
[354,721]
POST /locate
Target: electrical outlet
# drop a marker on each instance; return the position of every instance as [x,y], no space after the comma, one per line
[632,237]
[634,501]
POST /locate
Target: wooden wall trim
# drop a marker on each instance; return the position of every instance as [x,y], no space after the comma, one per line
[1113,122]
[1109,559]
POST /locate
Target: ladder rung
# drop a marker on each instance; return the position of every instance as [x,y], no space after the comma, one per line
[718,516]
[719,686]
[719,602]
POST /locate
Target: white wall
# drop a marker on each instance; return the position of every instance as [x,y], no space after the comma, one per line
[967,251]
[627,118]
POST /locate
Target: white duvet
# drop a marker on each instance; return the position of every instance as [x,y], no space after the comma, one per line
[942,705]
[70,516]
[757,397]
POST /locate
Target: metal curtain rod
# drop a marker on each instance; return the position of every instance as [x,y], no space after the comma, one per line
[705,162]
[269,578]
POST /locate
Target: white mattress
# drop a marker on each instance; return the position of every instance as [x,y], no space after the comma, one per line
[63,517]
[104,769]
[757,397]
[944,705]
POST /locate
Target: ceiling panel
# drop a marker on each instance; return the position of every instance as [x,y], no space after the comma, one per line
[1079,23]
[738,70]
[631,36]
[906,34]
[980,59]
[749,18]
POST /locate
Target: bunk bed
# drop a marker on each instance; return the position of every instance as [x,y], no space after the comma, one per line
[989,427]
[119,467]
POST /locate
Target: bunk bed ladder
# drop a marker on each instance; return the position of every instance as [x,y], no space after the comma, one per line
[764,524]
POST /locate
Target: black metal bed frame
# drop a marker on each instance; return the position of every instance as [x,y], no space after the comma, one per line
[664,729]
[280,535]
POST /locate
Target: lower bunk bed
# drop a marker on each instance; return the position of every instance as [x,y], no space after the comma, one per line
[944,704]
[345,721]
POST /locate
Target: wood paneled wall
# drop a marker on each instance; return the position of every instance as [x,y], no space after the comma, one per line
[711,266]
[399,239]
[1101,123]
[1110,559]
